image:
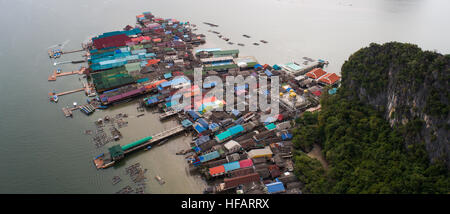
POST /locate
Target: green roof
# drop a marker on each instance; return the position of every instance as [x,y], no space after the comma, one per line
[271,126]
[219,67]
[225,52]
[115,151]
[224,135]
[137,47]
[111,78]
[136,66]
[136,143]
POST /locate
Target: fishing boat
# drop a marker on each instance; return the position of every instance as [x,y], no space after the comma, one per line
[148,148]
[255,43]
[54,98]
[263,41]
[163,142]
[246,36]
[160,180]
[240,44]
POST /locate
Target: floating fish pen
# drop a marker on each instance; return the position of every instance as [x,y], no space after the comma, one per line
[87,109]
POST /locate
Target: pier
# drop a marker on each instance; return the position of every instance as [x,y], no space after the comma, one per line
[118,152]
[167,114]
[158,137]
[66,92]
[55,74]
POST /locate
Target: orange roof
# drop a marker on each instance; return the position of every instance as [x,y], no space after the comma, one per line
[316,73]
[154,84]
[153,61]
[217,170]
[139,39]
[330,78]
[157,40]
[139,16]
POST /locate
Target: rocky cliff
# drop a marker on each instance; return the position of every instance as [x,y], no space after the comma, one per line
[410,86]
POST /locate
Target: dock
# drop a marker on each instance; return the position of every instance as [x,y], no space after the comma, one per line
[68,111]
[167,114]
[66,92]
[104,161]
[158,137]
[53,76]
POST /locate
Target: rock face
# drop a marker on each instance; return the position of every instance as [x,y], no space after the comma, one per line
[410,87]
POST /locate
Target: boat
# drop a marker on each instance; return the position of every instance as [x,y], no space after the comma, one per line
[54,98]
[263,41]
[160,180]
[74,104]
[163,142]
[255,43]
[246,36]
[148,148]
[240,44]
[58,71]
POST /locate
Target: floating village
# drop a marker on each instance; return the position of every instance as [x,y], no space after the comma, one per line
[234,151]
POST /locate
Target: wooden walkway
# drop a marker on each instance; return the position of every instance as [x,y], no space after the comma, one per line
[66,92]
[53,76]
[68,111]
[167,114]
[158,137]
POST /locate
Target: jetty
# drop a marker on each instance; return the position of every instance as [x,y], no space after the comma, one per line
[54,75]
[167,114]
[117,152]
[66,92]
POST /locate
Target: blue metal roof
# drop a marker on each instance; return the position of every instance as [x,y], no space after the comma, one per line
[186,123]
[193,114]
[209,156]
[199,128]
[275,187]
[201,140]
[236,129]
[203,123]
[232,166]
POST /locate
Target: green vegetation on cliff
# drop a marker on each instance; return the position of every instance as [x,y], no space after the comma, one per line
[375,133]
[365,155]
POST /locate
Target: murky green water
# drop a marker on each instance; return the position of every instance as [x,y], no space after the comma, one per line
[43,152]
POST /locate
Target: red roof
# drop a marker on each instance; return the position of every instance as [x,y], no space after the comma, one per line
[111,41]
[217,170]
[152,61]
[140,39]
[317,93]
[330,78]
[246,163]
[316,73]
